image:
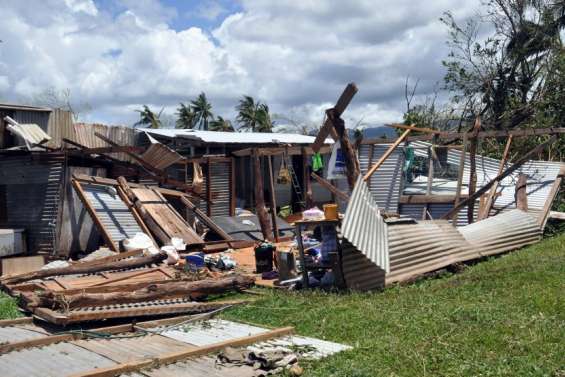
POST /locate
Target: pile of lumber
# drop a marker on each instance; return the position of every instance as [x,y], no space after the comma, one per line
[114,287]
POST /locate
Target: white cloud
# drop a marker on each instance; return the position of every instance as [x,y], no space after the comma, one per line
[296,56]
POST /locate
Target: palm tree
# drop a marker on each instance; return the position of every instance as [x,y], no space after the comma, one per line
[185,117]
[202,110]
[148,117]
[221,124]
[253,116]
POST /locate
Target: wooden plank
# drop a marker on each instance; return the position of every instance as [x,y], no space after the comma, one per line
[386,154]
[188,353]
[205,219]
[473,168]
[500,177]
[16,321]
[327,185]
[105,233]
[424,199]
[21,265]
[260,208]
[417,129]
[521,194]
[489,202]
[460,173]
[453,136]
[166,221]
[343,101]
[135,310]
[274,200]
[126,194]
[557,215]
[276,151]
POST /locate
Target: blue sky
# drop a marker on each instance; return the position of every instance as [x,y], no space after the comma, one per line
[297,56]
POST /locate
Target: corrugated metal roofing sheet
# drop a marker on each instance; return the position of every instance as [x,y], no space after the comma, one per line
[112,212]
[364,226]
[31,133]
[55,360]
[233,137]
[385,183]
[504,232]
[160,156]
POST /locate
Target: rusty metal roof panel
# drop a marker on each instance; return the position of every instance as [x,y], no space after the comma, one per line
[159,155]
[364,226]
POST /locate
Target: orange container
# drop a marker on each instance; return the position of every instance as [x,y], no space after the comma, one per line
[330,211]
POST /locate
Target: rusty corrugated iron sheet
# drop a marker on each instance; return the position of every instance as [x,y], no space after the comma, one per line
[85,135]
[364,226]
[160,156]
[31,133]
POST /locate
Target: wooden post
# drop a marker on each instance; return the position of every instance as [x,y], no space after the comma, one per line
[492,193]
[500,177]
[331,188]
[308,200]
[549,201]
[459,179]
[387,154]
[473,167]
[521,194]
[260,208]
[430,180]
[273,200]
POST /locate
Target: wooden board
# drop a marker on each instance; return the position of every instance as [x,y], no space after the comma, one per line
[170,223]
[21,265]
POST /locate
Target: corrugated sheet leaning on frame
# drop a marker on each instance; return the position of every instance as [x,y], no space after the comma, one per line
[405,251]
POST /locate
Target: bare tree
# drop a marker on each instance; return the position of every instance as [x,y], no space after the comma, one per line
[61,99]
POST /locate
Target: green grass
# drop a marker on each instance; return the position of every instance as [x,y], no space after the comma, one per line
[8,307]
[503,316]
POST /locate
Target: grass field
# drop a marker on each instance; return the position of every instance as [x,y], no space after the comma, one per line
[503,316]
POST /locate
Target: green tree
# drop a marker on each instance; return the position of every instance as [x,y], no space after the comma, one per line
[185,117]
[148,118]
[221,124]
[502,77]
[253,116]
[202,110]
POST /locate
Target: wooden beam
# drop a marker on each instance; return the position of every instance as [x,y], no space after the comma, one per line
[275,151]
[557,215]
[417,129]
[453,136]
[205,219]
[352,169]
[427,199]
[500,177]
[489,202]
[521,194]
[273,200]
[386,154]
[459,179]
[334,190]
[105,234]
[136,365]
[340,106]
[124,191]
[430,182]
[473,168]
[260,208]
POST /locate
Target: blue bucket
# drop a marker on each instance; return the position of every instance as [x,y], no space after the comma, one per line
[196,259]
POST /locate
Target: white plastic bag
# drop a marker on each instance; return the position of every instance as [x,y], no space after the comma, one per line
[336,166]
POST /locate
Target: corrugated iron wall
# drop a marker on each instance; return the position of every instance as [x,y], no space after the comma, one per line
[31,189]
[385,183]
[219,173]
[60,126]
[85,135]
